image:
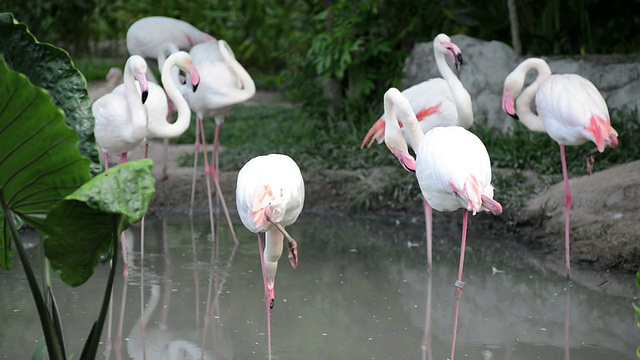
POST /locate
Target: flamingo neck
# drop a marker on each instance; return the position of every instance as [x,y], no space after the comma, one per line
[461,96]
[164,129]
[523,101]
[247,86]
[137,111]
[395,103]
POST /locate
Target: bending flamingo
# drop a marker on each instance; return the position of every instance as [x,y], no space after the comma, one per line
[452,166]
[224,83]
[121,120]
[436,102]
[570,109]
[156,38]
[270,196]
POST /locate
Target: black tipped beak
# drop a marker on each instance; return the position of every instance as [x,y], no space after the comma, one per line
[514,116]
[459,61]
[195,87]
[145,94]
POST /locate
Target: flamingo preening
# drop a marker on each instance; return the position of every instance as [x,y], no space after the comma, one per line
[570,109]
[270,196]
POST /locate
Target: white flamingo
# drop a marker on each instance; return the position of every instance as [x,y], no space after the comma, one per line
[452,166]
[570,109]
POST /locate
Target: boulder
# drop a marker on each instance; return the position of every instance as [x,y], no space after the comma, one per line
[487,63]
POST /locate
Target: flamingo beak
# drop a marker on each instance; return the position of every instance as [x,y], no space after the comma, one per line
[195,78]
[145,95]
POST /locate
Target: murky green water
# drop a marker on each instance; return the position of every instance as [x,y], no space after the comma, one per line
[359,292]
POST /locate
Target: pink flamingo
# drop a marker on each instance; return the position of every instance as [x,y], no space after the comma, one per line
[121,119]
[570,109]
[270,196]
[452,166]
[224,83]
[156,37]
[436,102]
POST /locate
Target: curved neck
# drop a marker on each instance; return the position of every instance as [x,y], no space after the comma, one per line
[247,86]
[461,96]
[395,103]
[523,102]
[136,108]
[164,129]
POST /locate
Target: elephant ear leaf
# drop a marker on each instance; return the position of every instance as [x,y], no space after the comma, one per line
[52,69]
[39,159]
[79,231]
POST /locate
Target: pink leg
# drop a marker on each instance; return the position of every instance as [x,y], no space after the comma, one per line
[207,172]
[165,155]
[567,207]
[428,215]
[459,283]
[146,150]
[270,293]
[219,196]
[196,150]
[106,161]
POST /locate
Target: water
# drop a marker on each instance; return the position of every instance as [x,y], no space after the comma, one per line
[360,292]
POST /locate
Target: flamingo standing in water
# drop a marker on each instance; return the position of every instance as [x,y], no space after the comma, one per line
[121,119]
[436,102]
[452,166]
[224,83]
[570,109]
[270,196]
[157,37]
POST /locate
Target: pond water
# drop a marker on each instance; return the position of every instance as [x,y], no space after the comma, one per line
[360,292]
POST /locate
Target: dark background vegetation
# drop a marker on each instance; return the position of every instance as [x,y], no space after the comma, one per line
[295,46]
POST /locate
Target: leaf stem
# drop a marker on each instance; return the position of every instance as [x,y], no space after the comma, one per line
[53,342]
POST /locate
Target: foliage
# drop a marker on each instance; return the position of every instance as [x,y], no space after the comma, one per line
[45,183]
[52,69]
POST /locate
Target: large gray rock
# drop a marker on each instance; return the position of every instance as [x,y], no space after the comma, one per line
[487,63]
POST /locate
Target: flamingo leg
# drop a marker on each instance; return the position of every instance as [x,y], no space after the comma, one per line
[270,293]
[196,150]
[106,160]
[567,207]
[207,171]
[459,283]
[123,240]
[428,216]
[165,156]
[293,245]
[219,197]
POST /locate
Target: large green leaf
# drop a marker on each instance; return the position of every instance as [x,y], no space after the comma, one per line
[52,69]
[78,230]
[39,159]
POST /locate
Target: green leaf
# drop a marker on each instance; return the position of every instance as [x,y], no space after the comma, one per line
[51,68]
[78,230]
[39,159]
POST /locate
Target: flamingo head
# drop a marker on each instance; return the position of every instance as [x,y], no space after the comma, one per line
[443,43]
[406,160]
[508,104]
[138,66]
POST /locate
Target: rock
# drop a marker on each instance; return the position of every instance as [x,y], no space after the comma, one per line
[487,63]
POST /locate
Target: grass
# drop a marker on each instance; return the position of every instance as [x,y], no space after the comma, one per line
[318,144]
[95,69]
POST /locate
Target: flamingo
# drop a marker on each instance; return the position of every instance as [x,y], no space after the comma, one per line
[156,37]
[121,119]
[224,83]
[436,102]
[270,196]
[452,167]
[570,109]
